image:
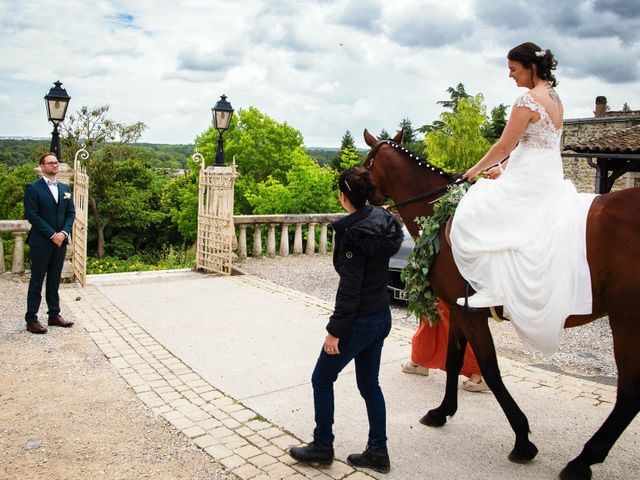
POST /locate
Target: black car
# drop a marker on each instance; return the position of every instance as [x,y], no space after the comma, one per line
[397,264]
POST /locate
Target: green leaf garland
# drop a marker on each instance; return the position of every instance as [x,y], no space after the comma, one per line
[421,298]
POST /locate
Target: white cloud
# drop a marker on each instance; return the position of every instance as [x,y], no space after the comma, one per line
[321,66]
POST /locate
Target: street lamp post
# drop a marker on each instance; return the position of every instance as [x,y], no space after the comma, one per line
[57,102]
[222,113]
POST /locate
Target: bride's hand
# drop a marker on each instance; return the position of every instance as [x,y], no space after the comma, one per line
[470,174]
[493,173]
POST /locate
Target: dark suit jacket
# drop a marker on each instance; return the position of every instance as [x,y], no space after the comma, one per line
[45,215]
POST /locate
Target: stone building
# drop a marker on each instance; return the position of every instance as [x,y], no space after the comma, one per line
[606,132]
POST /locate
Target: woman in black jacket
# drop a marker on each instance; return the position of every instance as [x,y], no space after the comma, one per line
[365,239]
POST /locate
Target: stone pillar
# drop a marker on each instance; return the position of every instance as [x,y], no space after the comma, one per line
[601,106]
[18,253]
[257,241]
[242,242]
[284,240]
[297,240]
[322,248]
[271,241]
[311,239]
[1,254]
[65,175]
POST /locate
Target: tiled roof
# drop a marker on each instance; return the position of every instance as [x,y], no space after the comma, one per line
[623,141]
[621,113]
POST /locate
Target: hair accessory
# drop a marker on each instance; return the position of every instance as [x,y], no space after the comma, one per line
[541,53]
[347,184]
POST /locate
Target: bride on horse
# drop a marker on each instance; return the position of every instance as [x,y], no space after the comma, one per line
[518,236]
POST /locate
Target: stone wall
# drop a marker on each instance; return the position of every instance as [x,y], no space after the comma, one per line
[577,169]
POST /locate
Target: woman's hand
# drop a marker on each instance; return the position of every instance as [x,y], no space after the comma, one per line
[493,173]
[470,174]
[331,345]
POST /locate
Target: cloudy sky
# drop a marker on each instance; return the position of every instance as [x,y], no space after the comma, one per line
[322,66]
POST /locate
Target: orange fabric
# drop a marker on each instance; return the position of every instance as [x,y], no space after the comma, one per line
[429,346]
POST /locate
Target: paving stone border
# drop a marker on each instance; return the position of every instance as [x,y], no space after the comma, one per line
[239,438]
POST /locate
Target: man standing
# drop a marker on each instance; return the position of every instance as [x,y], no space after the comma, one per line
[48,206]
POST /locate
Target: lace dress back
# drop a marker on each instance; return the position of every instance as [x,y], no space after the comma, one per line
[543,133]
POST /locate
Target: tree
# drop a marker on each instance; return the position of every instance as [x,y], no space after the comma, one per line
[384,135]
[180,202]
[13,181]
[93,128]
[456,94]
[261,147]
[408,134]
[626,107]
[460,143]
[494,127]
[347,154]
[310,188]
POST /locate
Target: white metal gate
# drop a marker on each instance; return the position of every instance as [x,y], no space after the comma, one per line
[81,202]
[215,218]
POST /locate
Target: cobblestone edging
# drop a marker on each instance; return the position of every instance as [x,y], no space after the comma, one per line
[239,438]
[236,436]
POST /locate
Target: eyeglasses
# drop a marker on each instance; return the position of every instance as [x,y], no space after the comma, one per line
[50,163]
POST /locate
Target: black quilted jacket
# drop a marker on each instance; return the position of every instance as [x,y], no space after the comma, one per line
[365,240]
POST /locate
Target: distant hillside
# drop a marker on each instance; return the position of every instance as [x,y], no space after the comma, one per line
[323,156]
[18,151]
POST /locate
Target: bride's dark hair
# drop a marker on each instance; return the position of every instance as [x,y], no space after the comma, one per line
[529,54]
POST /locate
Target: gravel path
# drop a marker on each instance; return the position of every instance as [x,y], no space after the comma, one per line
[584,351]
[65,412]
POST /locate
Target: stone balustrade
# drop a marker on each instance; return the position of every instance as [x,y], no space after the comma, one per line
[18,228]
[283,222]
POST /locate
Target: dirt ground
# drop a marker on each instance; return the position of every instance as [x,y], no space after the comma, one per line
[66,414]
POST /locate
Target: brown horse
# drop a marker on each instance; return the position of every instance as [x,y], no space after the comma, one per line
[613,253]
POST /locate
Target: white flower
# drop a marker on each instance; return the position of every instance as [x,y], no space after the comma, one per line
[67,195]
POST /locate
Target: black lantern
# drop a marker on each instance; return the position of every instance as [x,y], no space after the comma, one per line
[222,113]
[57,102]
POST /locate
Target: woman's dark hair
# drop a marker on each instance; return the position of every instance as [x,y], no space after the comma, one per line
[529,54]
[357,185]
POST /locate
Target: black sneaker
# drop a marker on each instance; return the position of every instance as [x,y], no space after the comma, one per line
[369,459]
[313,453]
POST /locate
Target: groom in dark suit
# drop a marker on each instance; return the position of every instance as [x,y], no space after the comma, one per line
[48,205]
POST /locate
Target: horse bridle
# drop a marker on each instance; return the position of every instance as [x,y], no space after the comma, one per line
[371,156]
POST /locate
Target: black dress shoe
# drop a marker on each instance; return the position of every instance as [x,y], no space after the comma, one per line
[58,321]
[313,453]
[369,459]
[36,327]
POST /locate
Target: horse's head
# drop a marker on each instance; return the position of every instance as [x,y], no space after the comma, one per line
[401,175]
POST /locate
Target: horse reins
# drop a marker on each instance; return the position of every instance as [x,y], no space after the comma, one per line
[368,163]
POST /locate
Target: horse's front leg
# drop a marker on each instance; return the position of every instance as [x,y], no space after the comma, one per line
[456,345]
[476,329]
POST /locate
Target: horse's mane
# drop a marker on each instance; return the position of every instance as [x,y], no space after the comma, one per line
[407,153]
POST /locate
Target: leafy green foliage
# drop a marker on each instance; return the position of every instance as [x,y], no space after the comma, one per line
[13,181]
[309,188]
[494,127]
[422,300]
[180,202]
[15,152]
[459,144]
[261,147]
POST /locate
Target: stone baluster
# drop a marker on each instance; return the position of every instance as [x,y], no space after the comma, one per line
[284,240]
[257,241]
[18,253]
[322,248]
[311,239]
[333,241]
[1,254]
[297,240]
[242,242]
[271,241]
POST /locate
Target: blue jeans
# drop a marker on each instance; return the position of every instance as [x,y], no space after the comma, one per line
[363,342]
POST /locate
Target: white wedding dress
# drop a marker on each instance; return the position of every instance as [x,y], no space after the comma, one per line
[521,238]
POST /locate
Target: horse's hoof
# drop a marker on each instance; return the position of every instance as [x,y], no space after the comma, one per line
[523,455]
[571,472]
[433,418]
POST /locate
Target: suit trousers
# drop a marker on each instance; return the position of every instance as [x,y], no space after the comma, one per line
[45,261]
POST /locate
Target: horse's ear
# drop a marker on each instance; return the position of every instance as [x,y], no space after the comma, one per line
[369,139]
[398,137]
